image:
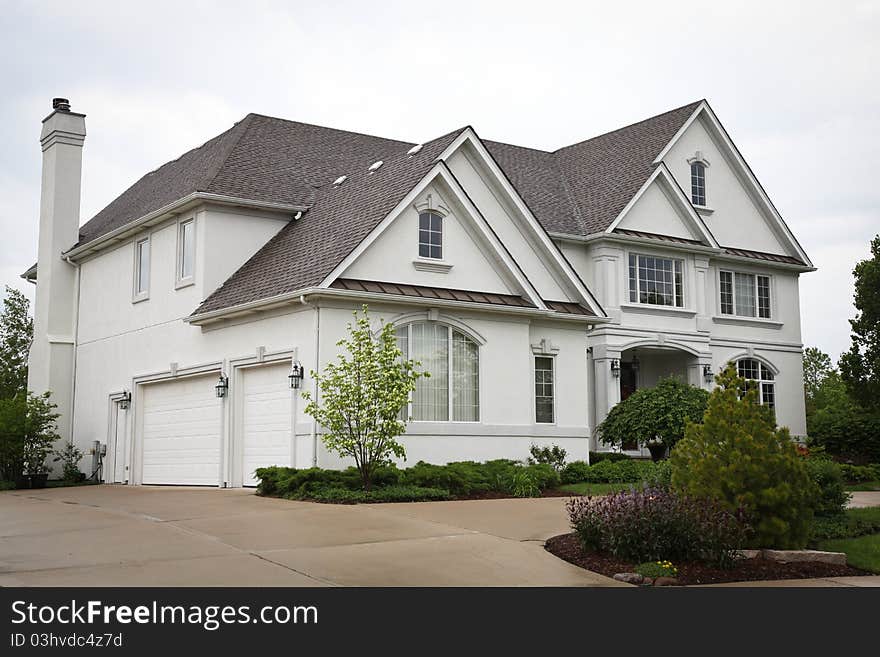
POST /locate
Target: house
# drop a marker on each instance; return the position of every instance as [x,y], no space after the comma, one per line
[538,288]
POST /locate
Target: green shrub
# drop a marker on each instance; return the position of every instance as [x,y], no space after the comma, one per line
[653,414]
[544,475]
[595,457]
[660,476]
[739,458]
[70,456]
[828,477]
[519,482]
[847,431]
[655,569]
[622,471]
[860,473]
[7,485]
[553,455]
[393,493]
[850,524]
[575,472]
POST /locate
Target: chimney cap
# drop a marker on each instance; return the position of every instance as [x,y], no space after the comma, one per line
[61,104]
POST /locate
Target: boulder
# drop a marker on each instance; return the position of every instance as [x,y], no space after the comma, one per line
[748,554]
[790,556]
[629,578]
[665,581]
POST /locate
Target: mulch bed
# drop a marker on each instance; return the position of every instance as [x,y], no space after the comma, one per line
[568,547]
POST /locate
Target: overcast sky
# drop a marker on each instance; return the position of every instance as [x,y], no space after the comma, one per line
[795,84]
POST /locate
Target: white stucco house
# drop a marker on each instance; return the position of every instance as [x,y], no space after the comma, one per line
[539,288]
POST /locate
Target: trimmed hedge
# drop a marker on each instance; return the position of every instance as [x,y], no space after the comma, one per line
[624,471]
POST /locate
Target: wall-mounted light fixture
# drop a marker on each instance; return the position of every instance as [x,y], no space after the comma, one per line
[222,386]
[125,400]
[708,375]
[635,363]
[296,375]
[615,367]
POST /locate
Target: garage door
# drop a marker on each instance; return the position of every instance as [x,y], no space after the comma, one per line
[181,432]
[265,419]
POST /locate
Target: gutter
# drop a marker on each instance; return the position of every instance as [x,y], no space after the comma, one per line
[316,292]
[174,208]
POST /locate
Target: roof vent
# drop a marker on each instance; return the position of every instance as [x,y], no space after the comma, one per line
[339,181]
[60,104]
[375,166]
[415,149]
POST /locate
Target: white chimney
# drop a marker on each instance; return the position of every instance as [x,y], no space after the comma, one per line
[51,361]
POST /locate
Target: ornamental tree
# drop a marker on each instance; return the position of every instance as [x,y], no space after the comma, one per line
[361,395]
[16,334]
[654,415]
[738,457]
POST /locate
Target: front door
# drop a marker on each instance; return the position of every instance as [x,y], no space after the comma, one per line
[627,387]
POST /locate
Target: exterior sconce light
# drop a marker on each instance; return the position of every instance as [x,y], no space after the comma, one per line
[708,376]
[125,401]
[222,386]
[635,363]
[296,375]
[615,367]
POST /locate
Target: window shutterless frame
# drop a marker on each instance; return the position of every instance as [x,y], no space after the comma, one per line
[544,389]
[185,262]
[430,235]
[655,280]
[140,290]
[745,291]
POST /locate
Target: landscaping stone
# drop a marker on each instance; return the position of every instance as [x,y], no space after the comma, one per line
[629,578]
[648,581]
[789,556]
[665,581]
[748,554]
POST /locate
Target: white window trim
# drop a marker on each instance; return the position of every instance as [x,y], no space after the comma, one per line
[684,283]
[428,259]
[756,317]
[181,281]
[552,356]
[137,297]
[450,412]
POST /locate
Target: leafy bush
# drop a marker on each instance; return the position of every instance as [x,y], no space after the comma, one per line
[70,457]
[828,477]
[655,569]
[850,524]
[738,457]
[660,476]
[860,473]
[393,493]
[652,524]
[553,455]
[519,483]
[847,431]
[657,414]
[595,457]
[27,433]
[575,472]
[544,475]
[7,485]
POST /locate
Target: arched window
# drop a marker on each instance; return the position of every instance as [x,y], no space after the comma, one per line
[698,183]
[452,392]
[754,370]
[430,235]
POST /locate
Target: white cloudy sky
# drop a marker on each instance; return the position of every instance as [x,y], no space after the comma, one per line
[796,84]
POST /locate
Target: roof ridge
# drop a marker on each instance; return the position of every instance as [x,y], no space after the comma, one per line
[325,127]
[246,120]
[629,125]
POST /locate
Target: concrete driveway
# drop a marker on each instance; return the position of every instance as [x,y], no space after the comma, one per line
[155,536]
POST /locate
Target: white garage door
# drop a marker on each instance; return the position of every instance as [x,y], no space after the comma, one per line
[265,419]
[181,432]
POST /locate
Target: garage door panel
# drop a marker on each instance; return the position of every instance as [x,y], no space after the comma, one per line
[181,432]
[266,419]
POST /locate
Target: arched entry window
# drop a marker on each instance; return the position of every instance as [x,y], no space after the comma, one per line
[452,392]
[754,370]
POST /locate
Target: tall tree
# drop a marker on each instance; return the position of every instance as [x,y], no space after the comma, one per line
[16,335]
[860,366]
[817,367]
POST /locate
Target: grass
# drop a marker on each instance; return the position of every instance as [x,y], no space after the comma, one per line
[864,486]
[587,488]
[862,552]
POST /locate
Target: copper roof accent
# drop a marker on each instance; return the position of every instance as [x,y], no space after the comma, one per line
[425,292]
[655,236]
[760,255]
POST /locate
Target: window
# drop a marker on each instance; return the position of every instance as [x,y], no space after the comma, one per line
[745,295]
[657,281]
[698,183]
[754,370]
[142,269]
[430,235]
[186,251]
[452,358]
[544,390]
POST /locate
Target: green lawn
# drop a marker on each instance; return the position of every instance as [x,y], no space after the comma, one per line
[862,552]
[586,488]
[864,485]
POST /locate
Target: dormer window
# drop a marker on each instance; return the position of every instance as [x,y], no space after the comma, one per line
[698,183]
[430,235]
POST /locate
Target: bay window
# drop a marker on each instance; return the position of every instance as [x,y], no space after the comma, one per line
[452,358]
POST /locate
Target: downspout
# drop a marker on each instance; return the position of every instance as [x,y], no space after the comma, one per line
[317,330]
[75,344]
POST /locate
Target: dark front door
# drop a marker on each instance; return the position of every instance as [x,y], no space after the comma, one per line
[627,387]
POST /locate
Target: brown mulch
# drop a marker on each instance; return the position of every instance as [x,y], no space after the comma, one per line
[568,547]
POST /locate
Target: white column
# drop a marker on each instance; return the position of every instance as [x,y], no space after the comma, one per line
[607,386]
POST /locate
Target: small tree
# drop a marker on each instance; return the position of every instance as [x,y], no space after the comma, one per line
[739,457]
[27,433]
[654,415]
[361,396]
[860,366]
[16,335]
